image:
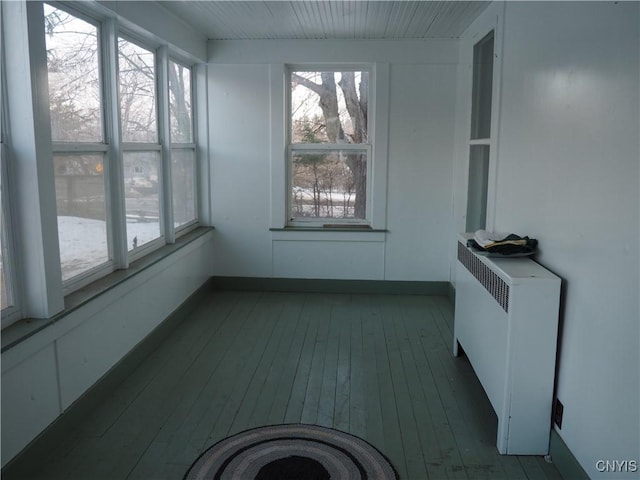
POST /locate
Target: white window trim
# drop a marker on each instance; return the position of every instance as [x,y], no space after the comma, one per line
[183,146]
[188,226]
[378,133]
[190,146]
[33,195]
[160,146]
[161,240]
[141,147]
[321,221]
[491,20]
[92,274]
[12,312]
[74,148]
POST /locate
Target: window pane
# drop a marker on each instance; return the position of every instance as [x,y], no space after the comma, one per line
[4,294]
[180,103]
[74,79]
[482,88]
[142,199]
[477,187]
[183,170]
[329,107]
[325,184]
[80,201]
[6,299]
[137,77]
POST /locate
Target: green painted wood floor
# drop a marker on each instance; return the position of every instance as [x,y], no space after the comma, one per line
[377,366]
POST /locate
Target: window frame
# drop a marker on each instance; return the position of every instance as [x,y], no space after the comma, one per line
[113,148]
[291,147]
[91,147]
[464,131]
[39,291]
[12,312]
[480,134]
[188,146]
[142,147]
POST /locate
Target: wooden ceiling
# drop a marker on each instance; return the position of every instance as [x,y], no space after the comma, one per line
[270,20]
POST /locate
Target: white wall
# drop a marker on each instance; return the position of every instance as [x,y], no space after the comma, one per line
[415,97]
[44,374]
[568,174]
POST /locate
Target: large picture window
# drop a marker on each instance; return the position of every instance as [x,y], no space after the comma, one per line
[329,151]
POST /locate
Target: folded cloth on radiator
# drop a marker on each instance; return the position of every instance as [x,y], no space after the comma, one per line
[485,238]
[502,243]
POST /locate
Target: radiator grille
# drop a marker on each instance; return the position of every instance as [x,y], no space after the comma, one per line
[487,278]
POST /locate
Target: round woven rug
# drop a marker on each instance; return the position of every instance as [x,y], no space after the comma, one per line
[292,452]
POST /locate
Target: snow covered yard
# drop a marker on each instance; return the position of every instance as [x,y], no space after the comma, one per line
[83,242]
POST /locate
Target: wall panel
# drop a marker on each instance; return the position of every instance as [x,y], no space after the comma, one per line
[29,400]
[43,375]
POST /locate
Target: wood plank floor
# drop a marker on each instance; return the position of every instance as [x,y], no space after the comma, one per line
[376,366]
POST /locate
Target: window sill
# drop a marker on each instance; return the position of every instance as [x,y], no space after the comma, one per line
[341,228]
[340,233]
[25,328]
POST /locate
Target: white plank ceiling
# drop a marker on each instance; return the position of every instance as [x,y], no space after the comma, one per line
[262,20]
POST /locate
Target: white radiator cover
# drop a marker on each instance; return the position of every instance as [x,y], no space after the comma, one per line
[506,321]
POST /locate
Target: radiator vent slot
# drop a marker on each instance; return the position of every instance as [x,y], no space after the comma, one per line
[487,278]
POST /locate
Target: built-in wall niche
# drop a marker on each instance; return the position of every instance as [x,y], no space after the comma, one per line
[480,136]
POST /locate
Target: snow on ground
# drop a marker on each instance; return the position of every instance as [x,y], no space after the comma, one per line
[83,242]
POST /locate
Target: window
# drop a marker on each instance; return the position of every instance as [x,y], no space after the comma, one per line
[6,297]
[183,149]
[329,153]
[114,151]
[75,105]
[477,188]
[8,294]
[142,151]
[481,88]
[480,138]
